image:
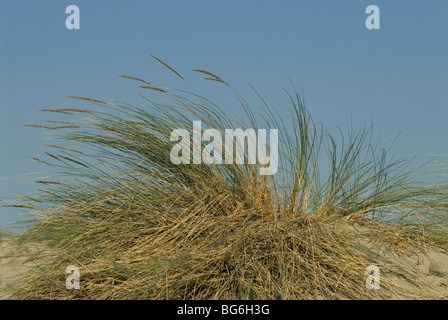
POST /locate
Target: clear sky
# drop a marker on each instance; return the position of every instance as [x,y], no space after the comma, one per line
[396,77]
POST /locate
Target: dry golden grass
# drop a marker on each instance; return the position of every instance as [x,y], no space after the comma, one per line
[139,227]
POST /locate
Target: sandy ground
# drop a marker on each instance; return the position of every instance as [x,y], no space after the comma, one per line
[10,262]
[423,275]
[430,266]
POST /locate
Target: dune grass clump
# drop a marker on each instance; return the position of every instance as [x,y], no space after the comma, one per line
[140,227]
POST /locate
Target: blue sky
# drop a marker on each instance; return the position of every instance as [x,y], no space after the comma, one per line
[396,77]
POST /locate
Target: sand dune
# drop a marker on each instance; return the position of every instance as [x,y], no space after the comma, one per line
[11,266]
[424,273]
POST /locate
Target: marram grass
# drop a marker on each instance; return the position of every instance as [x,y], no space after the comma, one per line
[140,227]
